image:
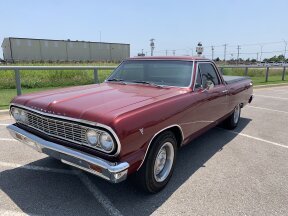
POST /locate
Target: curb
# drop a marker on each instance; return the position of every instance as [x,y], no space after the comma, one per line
[270,85]
[4,112]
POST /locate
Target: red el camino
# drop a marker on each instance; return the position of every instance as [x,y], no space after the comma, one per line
[133,122]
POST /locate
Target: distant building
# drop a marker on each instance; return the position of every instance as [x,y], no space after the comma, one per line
[28,49]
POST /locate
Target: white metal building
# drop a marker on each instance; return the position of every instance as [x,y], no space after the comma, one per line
[28,49]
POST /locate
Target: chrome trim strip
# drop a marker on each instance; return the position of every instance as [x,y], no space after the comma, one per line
[75,120]
[174,125]
[65,153]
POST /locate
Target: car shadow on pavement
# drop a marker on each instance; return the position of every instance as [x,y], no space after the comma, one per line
[45,193]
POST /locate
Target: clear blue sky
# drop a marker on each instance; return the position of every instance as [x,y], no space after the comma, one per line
[175,25]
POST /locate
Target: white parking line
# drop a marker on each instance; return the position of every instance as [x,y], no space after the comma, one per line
[37,168]
[256,107]
[4,124]
[266,96]
[99,196]
[8,139]
[259,139]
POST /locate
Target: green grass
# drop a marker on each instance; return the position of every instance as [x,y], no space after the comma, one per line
[6,95]
[52,78]
[257,75]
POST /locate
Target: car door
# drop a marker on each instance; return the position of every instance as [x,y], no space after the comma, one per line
[215,91]
[209,101]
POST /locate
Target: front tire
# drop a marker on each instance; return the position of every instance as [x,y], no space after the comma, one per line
[233,120]
[158,167]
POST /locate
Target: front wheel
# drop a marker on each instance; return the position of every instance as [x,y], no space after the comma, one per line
[233,120]
[157,169]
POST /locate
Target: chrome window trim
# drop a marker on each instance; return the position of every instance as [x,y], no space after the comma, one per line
[174,125]
[167,86]
[95,124]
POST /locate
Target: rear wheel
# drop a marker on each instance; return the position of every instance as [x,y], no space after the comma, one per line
[157,169]
[233,120]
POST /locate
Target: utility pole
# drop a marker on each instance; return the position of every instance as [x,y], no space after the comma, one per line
[285,49]
[174,52]
[166,52]
[238,48]
[257,56]
[225,47]
[212,47]
[152,45]
[261,52]
[100,35]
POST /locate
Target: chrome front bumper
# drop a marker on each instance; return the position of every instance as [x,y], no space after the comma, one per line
[113,172]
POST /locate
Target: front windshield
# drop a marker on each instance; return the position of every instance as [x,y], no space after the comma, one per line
[159,72]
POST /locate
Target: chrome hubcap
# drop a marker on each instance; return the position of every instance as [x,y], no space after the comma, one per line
[236,114]
[164,162]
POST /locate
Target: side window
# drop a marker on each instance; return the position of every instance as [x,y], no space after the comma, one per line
[198,83]
[209,75]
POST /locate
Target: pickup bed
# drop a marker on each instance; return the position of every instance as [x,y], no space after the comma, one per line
[135,121]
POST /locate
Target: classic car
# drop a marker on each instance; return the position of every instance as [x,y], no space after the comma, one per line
[135,121]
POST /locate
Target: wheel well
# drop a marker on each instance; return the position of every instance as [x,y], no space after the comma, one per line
[178,134]
[175,129]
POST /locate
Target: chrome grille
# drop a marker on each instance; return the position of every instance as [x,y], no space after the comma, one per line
[58,128]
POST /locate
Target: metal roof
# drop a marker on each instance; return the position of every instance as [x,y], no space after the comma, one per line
[64,40]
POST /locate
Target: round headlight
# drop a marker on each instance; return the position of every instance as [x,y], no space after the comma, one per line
[92,137]
[15,113]
[23,116]
[106,142]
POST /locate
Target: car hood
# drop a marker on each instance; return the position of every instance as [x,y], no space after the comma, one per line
[99,102]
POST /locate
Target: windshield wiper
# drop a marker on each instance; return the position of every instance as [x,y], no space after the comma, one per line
[146,82]
[116,80]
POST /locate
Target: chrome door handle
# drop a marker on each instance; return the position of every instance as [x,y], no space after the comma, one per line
[225,91]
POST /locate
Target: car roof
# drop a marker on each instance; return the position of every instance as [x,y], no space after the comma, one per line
[179,58]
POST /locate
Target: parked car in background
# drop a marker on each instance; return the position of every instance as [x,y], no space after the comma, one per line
[283,63]
[263,63]
[135,121]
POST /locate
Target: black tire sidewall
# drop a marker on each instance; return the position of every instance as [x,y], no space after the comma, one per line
[151,183]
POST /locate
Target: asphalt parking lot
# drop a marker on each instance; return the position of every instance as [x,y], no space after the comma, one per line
[240,172]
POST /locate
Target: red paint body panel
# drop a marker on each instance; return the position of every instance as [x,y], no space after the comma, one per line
[128,108]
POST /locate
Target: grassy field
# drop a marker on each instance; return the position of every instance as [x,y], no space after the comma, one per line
[33,81]
[258,75]
[6,95]
[52,78]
